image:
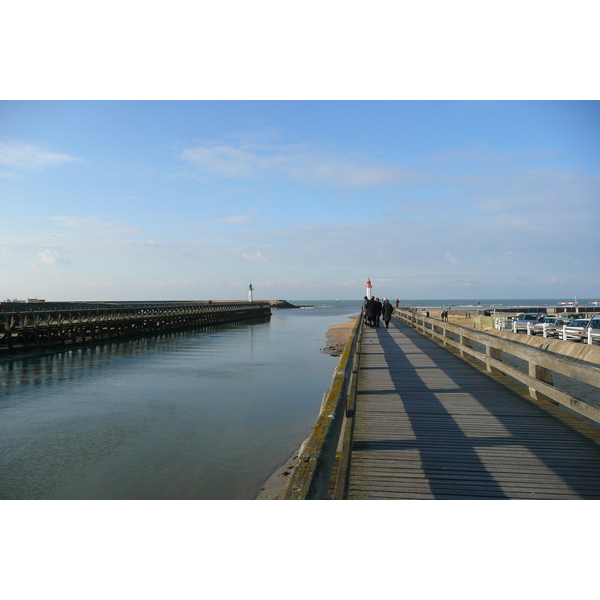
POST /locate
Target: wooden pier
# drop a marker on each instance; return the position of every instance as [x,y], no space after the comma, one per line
[420,422]
[430,426]
[55,324]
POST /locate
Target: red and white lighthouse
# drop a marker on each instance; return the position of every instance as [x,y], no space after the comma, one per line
[369,286]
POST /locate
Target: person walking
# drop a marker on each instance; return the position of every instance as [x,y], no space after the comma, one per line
[377,311]
[387,312]
[371,311]
[365,311]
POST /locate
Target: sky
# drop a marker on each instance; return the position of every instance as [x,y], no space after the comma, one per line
[192,200]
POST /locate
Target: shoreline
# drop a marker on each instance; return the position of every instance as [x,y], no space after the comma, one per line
[337,336]
[276,483]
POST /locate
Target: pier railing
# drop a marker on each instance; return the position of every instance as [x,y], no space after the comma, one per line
[314,466]
[489,350]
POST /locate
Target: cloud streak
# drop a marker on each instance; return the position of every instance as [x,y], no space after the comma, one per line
[236,220]
[22,156]
[299,163]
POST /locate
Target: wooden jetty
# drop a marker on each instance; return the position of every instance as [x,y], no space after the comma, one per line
[434,416]
[54,324]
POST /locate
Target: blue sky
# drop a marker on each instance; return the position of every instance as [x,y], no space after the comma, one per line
[143,200]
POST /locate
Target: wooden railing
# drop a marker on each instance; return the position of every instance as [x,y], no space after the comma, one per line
[541,363]
[313,470]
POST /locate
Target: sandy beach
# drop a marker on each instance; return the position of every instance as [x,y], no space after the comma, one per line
[337,336]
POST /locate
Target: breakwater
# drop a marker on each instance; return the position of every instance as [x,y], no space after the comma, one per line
[55,324]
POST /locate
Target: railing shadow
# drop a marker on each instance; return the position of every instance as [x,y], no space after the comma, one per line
[459,462]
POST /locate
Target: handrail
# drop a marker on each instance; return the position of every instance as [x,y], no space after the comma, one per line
[541,363]
[587,334]
[312,473]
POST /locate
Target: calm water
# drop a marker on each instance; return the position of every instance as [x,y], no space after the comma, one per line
[198,415]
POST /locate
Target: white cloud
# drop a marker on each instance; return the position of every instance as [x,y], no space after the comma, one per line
[30,156]
[450,258]
[256,257]
[93,225]
[237,220]
[300,163]
[49,257]
[225,161]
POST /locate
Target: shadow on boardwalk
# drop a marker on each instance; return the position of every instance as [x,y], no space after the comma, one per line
[430,425]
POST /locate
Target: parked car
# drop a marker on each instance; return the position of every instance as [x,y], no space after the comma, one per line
[595,322]
[594,325]
[551,319]
[577,328]
[527,318]
[552,325]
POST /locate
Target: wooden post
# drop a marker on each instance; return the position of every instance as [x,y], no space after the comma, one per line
[444,333]
[542,374]
[493,353]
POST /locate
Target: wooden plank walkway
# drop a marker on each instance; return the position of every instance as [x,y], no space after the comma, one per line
[428,425]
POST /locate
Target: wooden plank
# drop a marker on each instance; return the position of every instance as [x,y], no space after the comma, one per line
[428,425]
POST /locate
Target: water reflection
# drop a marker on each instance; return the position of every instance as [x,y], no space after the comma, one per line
[195,414]
[79,362]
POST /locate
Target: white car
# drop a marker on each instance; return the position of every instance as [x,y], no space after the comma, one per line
[594,325]
[552,325]
[520,324]
[576,329]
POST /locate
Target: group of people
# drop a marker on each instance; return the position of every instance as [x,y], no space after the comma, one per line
[374,310]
